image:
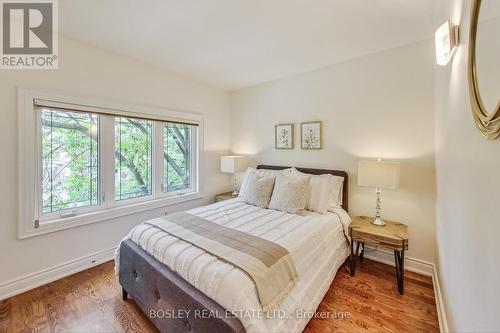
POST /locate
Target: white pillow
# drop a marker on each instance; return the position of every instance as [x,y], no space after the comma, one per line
[262,172]
[290,193]
[320,192]
[259,190]
[324,192]
[337,193]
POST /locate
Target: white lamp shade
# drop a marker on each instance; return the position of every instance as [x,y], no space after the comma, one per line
[378,174]
[233,164]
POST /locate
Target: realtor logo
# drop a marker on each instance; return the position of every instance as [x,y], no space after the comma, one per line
[29,34]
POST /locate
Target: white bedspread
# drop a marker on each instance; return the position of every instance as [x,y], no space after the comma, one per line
[316,243]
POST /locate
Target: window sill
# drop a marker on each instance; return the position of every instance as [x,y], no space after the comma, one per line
[104,215]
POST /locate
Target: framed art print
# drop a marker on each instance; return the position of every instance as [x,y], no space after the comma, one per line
[283,136]
[310,135]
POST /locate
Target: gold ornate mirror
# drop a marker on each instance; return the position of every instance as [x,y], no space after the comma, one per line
[484,66]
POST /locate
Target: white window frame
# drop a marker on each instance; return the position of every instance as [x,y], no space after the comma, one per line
[31,224]
[49,217]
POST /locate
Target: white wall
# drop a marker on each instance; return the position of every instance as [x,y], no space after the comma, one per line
[90,72]
[379,105]
[468,183]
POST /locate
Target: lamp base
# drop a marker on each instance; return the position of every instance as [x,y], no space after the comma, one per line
[378,221]
[235,186]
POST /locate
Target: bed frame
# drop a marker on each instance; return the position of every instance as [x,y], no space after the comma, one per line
[155,288]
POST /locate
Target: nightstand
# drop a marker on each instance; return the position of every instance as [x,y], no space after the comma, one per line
[393,235]
[224,196]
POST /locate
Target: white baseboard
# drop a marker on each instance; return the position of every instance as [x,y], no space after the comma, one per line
[31,281]
[411,264]
[443,322]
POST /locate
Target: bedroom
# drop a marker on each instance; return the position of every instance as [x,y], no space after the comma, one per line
[138,111]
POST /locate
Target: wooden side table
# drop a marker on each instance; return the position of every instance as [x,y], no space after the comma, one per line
[393,235]
[224,196]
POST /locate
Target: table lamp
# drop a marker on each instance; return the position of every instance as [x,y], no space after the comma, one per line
[379,175]
[234,165]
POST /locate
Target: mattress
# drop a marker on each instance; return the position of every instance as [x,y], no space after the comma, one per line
[316,242]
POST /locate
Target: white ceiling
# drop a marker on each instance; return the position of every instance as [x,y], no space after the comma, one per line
[237,43]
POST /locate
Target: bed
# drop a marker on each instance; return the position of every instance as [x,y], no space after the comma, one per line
[181,288]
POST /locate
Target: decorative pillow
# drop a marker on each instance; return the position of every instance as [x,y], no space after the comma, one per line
[337,193]
[261,172]
[290,193]
[324,192]
[259,190]
[320,192]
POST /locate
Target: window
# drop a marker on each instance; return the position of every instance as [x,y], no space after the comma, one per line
[133,164]
[176,157]
[82,164]
[70,160]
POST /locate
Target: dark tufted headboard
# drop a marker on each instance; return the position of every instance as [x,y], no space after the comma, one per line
[319,172]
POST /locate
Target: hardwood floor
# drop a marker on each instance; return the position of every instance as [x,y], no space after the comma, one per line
[374,304]
[90,301]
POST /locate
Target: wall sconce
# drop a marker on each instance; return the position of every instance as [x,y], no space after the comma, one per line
[446,39]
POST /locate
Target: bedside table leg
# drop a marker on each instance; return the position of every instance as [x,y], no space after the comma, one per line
[399,258]
[362,252]
[124,294]
[353,259]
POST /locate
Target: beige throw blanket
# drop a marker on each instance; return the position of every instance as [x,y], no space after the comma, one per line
[268,264]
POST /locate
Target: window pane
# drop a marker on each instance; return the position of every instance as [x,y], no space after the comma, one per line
[177,154]
[133,139]
[70,163]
